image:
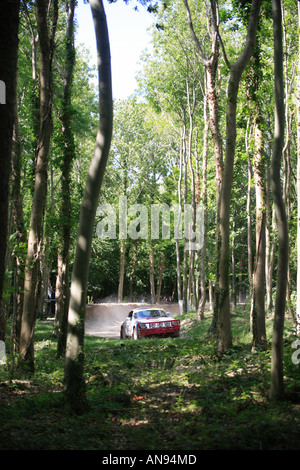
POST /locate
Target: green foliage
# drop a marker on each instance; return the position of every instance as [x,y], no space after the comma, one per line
[179,389]
[162,394]
[147,141]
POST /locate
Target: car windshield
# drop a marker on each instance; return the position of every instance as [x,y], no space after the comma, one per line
[151,313]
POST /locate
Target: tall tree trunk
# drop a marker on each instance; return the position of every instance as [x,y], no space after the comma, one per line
[185,252]
[214,128]
[249,231]
[62,294]
[298,181]
[201,307]
[258,302]
[280,302]
[19,227]
[233,262]
[46,43]
[178,222]
[122,271]
[269,243]
[257,315]
[34,86]
[151,263]
[9,27]
[160,276]
[289,116]
[222,288]
[191,100]
[130,299]
[75,393]
[211,67]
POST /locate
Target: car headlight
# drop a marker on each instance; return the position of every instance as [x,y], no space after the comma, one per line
[176,322]
[143,326]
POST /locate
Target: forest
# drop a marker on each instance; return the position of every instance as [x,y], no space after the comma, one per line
[187,191]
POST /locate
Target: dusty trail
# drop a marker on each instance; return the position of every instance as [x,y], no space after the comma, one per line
[104,319]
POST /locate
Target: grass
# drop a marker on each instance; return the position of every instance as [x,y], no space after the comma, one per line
[155,394]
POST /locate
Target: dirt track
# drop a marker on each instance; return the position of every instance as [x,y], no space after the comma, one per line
[104,320]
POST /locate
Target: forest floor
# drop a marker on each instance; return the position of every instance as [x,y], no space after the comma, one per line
[155,394]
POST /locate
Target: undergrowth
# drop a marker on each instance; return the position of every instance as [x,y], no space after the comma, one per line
[155,394]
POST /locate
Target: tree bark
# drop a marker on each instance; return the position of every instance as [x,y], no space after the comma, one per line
[222,287]
[9,27]
[75,393]
[258,302]
[132,273]
[179,191]
[289,116]
[269,242]
[151,265]
[62,290]
[160,278]
[185,253]
[19,227]
[211,65]
[46,43]
[202,301]
[233,261]
[298,181]
[249,232]
[277,388]
[122,271]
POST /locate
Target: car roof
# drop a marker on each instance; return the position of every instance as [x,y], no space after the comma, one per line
[147,308]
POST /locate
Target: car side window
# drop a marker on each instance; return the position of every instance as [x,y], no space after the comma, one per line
[130,314]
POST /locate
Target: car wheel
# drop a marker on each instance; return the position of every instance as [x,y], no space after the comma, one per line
[135,334]
[122,334]
[174,335]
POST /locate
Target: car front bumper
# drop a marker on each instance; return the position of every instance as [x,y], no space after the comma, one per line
[160,331]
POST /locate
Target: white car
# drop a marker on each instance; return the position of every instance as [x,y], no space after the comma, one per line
[143,322]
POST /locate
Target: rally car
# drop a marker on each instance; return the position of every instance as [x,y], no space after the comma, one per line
[143,322]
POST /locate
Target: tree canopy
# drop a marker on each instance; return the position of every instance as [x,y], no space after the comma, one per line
[187,190]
